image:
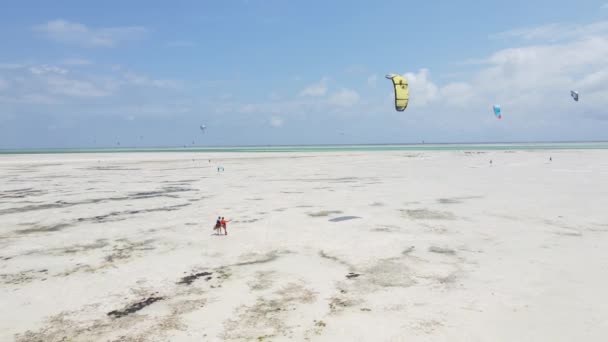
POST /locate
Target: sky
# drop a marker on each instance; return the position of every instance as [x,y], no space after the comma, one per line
[282,72]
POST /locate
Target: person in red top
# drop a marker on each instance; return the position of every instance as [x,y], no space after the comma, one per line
[223,223]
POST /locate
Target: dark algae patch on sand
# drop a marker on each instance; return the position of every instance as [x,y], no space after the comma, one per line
[187,280]
[343,218]
[134,307]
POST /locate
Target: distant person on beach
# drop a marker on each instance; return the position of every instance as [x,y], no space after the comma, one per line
[223,223]
[218,225]
[550,159]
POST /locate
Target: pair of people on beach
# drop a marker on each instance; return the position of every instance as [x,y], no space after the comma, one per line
[219,224]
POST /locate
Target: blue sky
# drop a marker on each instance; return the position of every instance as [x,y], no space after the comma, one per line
[148,73]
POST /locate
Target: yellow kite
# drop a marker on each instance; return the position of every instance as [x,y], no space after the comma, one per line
[402,91]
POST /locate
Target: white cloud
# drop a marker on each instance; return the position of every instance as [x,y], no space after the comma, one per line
[372,80]
[316,89]
[344,98]
[276,121]
[48,82]
[75,88]
[422,89]
[75,33]
[532,83]
[458,94]
[47,69]
[556,31]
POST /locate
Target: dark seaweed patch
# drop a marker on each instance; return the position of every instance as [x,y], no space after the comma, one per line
[166,192]
[352,275]
[21,193]
[160,193]
[456,200]
[441,250]
[187,280]
[268,257]
[125,252]
[324,213]
[408,250]
[343,218]
[426,214]
[103,218]
[109,168]
[247,221]
[58,204]
[43,229]
[134,307]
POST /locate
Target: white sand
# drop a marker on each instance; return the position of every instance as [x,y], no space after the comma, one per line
[447,246]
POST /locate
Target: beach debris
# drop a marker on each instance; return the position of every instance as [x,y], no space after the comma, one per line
[338,304]
[187,280]
[426,214]
[320,324]
[408,250]
[497,111]
[343,218]
[402,93]
[323,213]
[441,250]
[574,95]
[352,275]
[134,307]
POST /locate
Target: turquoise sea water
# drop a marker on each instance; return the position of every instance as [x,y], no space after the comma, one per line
[332,148]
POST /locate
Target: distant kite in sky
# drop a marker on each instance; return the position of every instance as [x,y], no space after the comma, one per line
[497,111]
[574,95]
[203,128]
[402,91]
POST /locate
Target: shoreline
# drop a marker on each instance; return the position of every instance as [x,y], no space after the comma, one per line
[328,148]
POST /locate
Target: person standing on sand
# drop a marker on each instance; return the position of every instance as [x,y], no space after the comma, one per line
[223,223]
[218,225]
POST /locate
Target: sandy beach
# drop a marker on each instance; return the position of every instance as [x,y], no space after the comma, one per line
[322,246]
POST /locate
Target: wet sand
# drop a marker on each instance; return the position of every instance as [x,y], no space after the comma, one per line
[353,246]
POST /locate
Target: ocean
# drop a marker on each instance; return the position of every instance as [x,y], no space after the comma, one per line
[330,148]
